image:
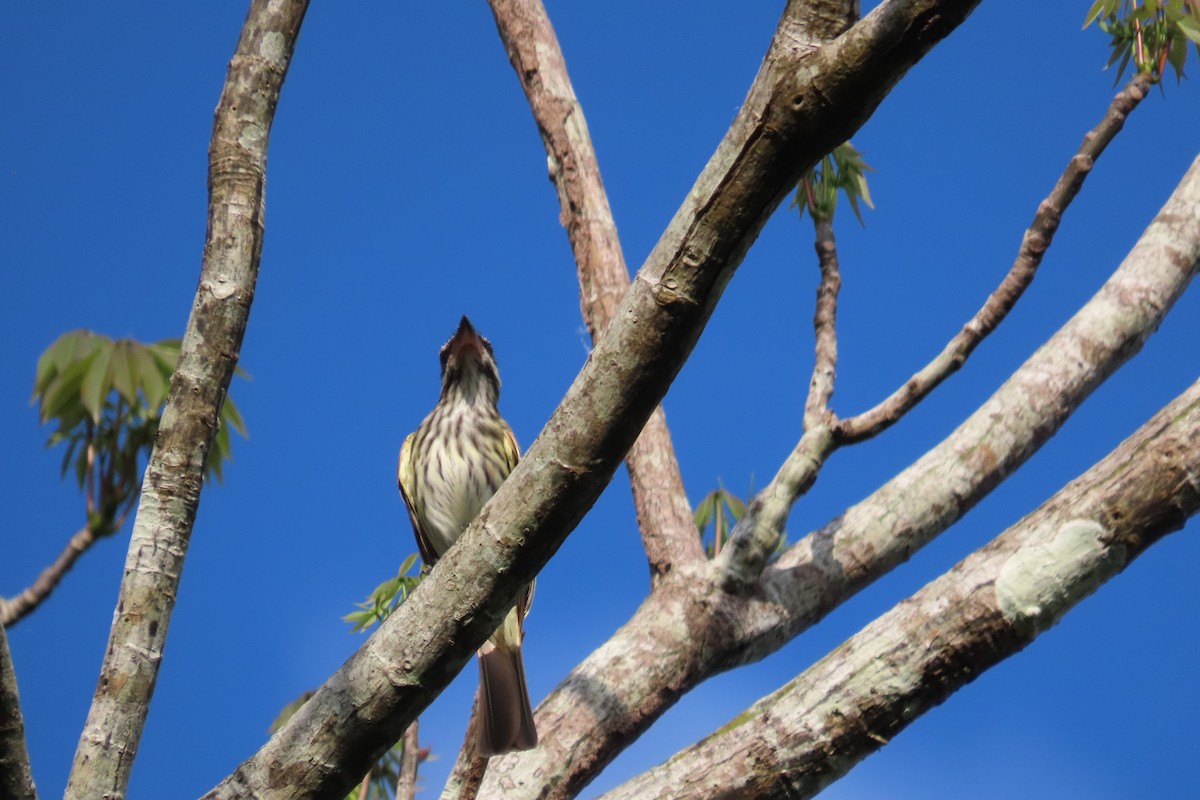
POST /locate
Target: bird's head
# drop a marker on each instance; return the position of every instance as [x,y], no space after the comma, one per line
[469,371]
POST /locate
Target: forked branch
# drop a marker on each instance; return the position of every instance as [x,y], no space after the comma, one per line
[757,534]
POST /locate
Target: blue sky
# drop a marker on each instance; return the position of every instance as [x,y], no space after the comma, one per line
[407,186]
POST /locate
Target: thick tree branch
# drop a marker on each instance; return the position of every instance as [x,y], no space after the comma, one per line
[16,778]
[812,731]
[795,113]
[209,351]
[690,629]
[1036,241]
[663,512]
[17,607]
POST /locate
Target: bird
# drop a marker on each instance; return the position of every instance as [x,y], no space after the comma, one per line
[449,467]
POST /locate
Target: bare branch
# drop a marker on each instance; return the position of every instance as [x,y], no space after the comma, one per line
[663,512]
[820,388]
[208,355]
[406,786]
[1036,241]
[16,778]
[812,731]
[467,773]
[624,686]
[12,610]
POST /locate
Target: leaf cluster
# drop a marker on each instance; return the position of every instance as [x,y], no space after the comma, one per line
[105,398]
[385,598]
[1151,34]
[842,171]
[721,509]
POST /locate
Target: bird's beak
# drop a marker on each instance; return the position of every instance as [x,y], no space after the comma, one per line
[465,339]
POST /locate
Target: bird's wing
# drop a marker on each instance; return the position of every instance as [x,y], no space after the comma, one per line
[512,450]
[512,454]
[407,479]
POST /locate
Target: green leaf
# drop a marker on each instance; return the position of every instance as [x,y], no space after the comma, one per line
[63,393]
[1190,27]
[154,384]
[97,382]
[704,511]
[166,353]
[231,415]
[1097,9]
[122,372]
[71,447]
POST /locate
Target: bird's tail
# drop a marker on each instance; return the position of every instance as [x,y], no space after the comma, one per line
[505,715]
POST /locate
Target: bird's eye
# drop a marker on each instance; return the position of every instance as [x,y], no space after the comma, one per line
[444,354]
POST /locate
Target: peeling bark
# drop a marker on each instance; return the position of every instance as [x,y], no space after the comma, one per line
[208,355]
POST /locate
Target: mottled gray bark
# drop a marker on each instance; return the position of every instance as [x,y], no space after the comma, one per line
[801,105]
[208,355]
[16,779]
[794,742]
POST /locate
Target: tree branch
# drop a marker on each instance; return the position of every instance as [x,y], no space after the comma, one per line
[820,387]
[812,731]
[16,778]
[756,536]
[690,629]
[467,773]
[1036,241]
[213,337]
[14,609]
[792,117]
[663,512]
[406,786]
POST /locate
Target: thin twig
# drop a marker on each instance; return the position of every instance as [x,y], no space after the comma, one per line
[14,609]
[820,389]
[663,512]
[758,532]
[1036,241]
[16,778]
